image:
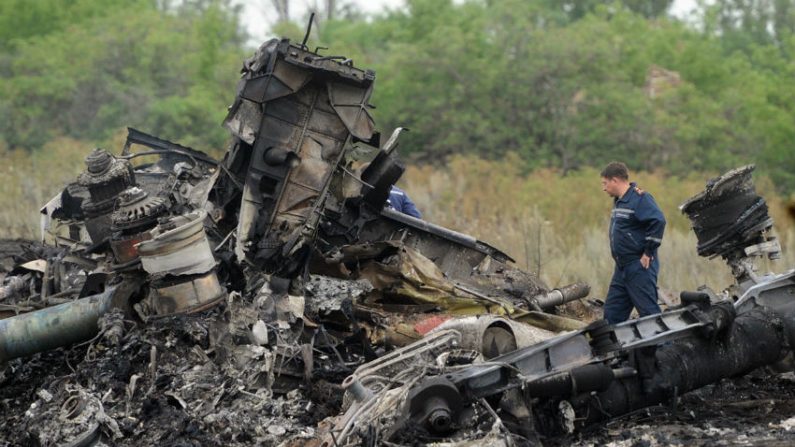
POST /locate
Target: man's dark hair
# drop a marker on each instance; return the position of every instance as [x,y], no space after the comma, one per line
[616,169]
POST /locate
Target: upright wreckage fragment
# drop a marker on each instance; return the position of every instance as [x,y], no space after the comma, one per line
[293,195]
[293,116]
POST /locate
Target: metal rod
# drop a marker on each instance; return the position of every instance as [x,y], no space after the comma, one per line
[556,297]
[308,30]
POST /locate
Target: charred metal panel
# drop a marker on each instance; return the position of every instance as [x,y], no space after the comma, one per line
[294,113]
[756,339]
[453,250]
[458,255]
[729,216]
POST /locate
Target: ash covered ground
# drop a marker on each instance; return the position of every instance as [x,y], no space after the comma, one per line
[754,410]
[187,381]
[177,381]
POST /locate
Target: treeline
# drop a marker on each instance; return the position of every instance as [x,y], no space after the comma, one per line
[567,84]
[563,84]
[87,68]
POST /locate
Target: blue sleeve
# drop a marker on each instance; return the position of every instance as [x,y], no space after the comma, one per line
[650,215]
[409,207]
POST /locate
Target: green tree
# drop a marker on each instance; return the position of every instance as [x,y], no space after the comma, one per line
[512,76]
[169,71]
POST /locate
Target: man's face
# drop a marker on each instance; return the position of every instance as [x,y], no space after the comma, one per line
[610,186]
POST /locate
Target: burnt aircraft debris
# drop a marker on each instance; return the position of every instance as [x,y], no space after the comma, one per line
[269,297]
[278,266]
[567,382]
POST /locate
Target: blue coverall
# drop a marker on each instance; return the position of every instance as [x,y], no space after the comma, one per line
[636,228]
[399,201]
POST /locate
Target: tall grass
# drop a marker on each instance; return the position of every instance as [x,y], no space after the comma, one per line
[31,179]
[549,223]
[556,225]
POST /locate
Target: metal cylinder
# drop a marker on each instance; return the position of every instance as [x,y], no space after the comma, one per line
[52,327]
[186,294]
[556,297]
[359,392]
[178,246]
[181,259]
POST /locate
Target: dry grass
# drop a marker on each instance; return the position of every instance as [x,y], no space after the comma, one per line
[548,222]
[31,180]
[558,224]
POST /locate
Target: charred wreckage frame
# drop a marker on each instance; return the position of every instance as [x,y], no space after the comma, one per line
[184,233]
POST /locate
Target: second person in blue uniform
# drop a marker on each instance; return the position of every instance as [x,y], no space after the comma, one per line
[400,201]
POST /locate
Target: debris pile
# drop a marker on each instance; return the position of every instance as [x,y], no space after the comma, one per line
[272,298]
[225,302]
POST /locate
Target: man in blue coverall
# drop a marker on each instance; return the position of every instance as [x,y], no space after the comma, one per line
[636,231]
[400,201]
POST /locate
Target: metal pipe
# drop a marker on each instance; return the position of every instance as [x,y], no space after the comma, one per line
[556,297]
[52,327]
[357,390]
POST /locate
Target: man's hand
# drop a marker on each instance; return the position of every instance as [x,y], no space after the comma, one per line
[645,261]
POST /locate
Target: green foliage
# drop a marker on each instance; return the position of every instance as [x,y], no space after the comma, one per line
[563,84]
[578,83]
[171,71]
[22,19]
